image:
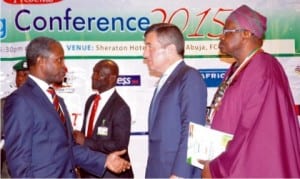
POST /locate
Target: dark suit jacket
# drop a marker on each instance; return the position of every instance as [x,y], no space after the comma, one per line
[2,120]
[180,100]
[4,170]
[116,114]
[37,143]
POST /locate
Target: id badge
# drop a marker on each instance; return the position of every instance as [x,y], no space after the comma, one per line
[102,130]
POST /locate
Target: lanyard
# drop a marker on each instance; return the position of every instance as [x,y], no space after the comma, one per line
[223,87]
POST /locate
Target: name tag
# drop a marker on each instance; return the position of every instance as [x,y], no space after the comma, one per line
[102,130]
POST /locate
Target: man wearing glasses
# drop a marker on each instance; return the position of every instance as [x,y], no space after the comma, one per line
[255,104]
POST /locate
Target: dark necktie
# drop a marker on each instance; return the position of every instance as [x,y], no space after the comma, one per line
[92,116]
[56,104]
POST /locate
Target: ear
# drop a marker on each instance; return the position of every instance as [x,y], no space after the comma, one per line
[113,78]
[40,63]
[40,60]
[247,34]
[171,49]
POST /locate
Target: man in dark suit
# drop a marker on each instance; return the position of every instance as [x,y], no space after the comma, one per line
[109,130]
[179,98]
[21,69]
[38,137]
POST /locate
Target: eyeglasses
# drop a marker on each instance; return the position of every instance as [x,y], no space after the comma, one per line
[232,30]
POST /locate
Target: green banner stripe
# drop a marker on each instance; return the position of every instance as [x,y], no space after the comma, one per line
[141,57]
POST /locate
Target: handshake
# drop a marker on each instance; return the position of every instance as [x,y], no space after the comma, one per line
[113,161]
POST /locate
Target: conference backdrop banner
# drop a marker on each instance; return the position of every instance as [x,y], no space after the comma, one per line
[93,30]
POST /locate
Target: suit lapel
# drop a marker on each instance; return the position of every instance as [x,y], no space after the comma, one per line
[106,109]
[44,101]
[40,95]
[154,106]
[86,110]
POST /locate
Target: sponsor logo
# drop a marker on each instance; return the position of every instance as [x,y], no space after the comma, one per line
[129,80]
[213,77]
[3,28]
[31,2]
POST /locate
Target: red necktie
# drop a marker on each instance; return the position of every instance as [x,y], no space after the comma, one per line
[56,104]
[92,115]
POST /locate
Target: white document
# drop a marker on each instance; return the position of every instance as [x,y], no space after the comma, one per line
[205,143]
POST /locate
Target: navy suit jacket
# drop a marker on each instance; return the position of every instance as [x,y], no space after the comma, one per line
[116,117]
[37,143]
[180,100]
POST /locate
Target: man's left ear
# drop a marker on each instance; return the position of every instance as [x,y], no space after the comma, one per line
[171,49]
[113,78]
[247,33]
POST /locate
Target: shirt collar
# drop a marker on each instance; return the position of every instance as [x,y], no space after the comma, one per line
[42,84]
[171,68]
[106,94]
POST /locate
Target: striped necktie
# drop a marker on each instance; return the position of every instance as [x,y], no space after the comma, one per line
[56,104]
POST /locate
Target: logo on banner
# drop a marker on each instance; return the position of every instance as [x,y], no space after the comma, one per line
[213,77]
[2,28]
[39,2]
[129,80]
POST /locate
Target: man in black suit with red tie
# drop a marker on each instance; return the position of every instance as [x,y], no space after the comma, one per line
[107,118]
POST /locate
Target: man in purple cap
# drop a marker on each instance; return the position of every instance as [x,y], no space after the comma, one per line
[255,104]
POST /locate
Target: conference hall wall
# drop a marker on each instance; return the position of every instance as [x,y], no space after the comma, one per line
[93,30]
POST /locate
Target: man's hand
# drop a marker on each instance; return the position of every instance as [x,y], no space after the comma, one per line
[206,171]
[115,163]
[175,177]
[79,137]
